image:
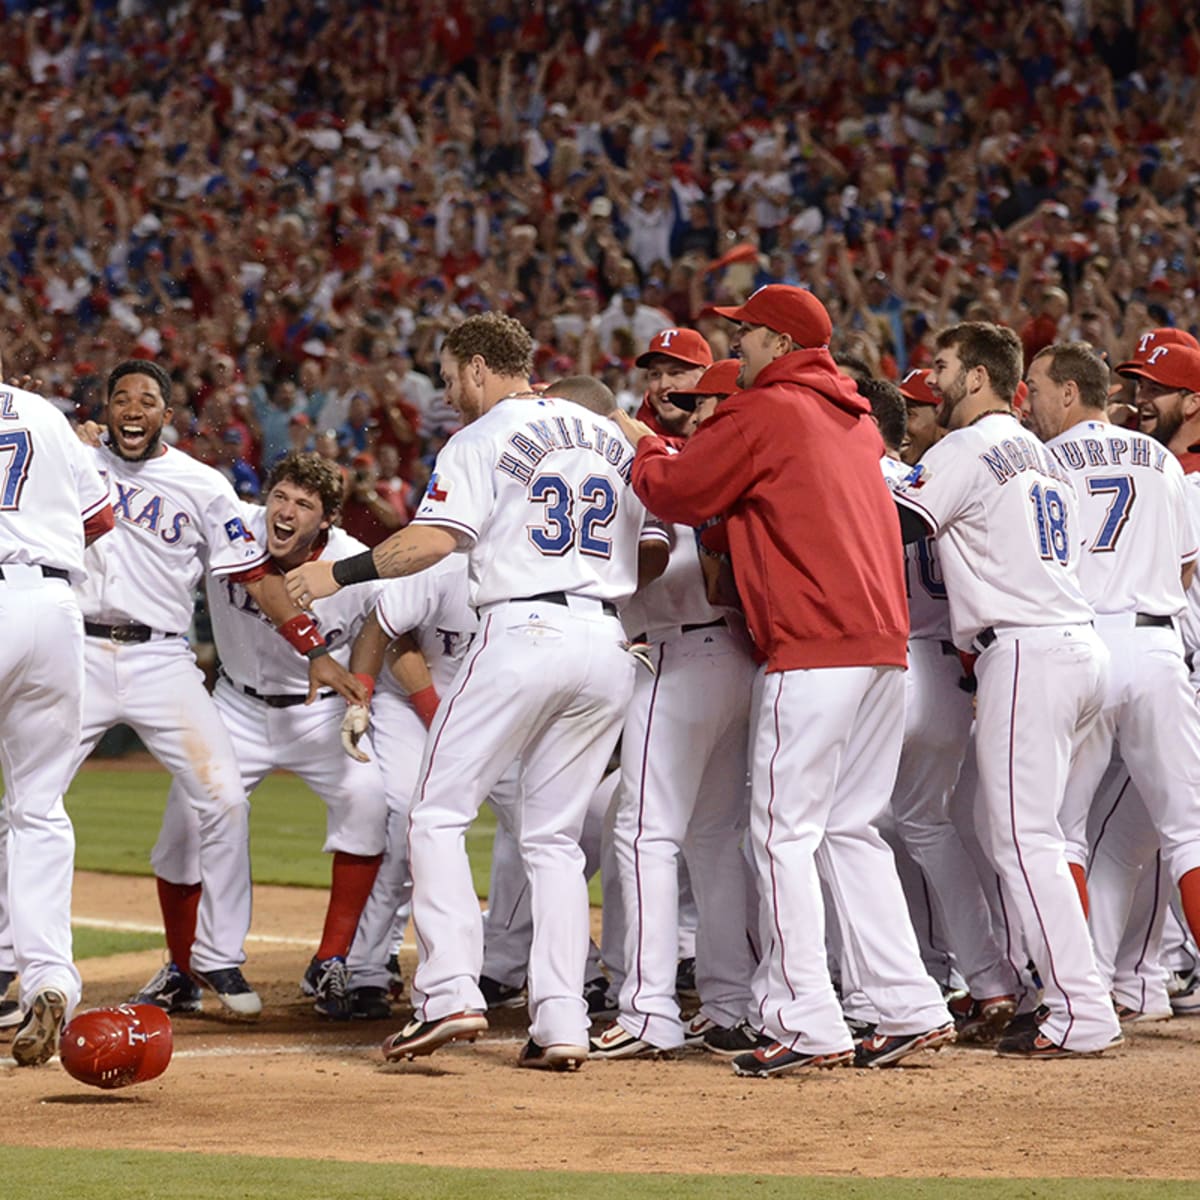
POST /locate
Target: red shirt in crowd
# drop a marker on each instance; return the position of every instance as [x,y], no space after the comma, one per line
[793,464]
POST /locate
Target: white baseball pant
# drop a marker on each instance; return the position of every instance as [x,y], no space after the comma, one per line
[41,688]
[825,745]
[552,694]
[1040,691]
[683,791]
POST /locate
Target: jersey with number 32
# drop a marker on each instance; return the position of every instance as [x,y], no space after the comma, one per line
[539,491]
[1137,528]
[1007,524]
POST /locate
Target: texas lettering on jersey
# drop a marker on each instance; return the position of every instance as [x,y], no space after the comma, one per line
[147,511]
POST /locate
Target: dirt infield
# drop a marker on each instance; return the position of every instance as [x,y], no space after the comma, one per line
[290,1085]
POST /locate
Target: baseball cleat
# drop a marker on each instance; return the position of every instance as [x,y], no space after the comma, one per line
[1184,989]
[776,1059]
[601,1004]
[1128,1015]
[741,1038]
[424,1037]
[501,995]
[1030,1043]
[614,1042]
[860,1030]
[10,1014]
[885,1050]
[685,977]
[696,1028]
[328,981]
[172,990]
[369,1004]
[36,1041]
[981,1020]
[559,1057]
[232,990]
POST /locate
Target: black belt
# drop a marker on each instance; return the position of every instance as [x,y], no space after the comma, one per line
[47,572]
[274,701]
[949,648]
[1143,619]
[125,634]
[561,598]
[985,637]
[705,625]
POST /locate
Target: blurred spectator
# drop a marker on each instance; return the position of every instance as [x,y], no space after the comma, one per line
[368,513]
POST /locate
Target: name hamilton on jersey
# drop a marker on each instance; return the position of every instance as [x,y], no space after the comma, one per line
[544,437]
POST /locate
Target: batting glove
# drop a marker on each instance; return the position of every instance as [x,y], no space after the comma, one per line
[354,725]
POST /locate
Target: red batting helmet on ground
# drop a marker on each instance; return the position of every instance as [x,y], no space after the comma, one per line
[116,1047]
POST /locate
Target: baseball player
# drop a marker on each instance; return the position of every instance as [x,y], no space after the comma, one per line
[275,723]
[793,464]
[1139,818]
[937,727]
[683,793]
[536,491]
[174,517]
[52,503]
[1006,521]
[673,361]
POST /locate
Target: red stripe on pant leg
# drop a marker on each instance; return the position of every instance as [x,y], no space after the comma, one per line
[487,629]
[637,840]
[1012,808]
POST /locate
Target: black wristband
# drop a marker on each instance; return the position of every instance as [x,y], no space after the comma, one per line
[316,652]
[359,569]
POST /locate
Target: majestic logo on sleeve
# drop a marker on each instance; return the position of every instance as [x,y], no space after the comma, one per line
[235,531]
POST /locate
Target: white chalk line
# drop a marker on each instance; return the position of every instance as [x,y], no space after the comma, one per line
[139,927]
[316,1050]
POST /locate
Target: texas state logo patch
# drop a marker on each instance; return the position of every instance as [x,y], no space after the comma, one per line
[235,531]
[437,490]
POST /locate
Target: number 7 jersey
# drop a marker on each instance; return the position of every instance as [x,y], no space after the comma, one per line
[539,491]
[1137,527]
[1007,524]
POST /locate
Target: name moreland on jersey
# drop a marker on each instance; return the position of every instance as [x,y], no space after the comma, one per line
[1007,524]
[252,652]
[175,518]
[574,529]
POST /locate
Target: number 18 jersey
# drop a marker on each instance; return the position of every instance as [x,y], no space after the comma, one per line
[539,490]
[1007,524]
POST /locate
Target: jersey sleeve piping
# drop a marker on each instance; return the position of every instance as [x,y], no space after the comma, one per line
[447,523]
[240,568]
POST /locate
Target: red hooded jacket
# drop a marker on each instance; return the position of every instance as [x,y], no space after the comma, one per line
[793,465]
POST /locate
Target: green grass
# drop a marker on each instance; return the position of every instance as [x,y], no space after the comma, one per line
[100,943]
[117,813]
[140,1175]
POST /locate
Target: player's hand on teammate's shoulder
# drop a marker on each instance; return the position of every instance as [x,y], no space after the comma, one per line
[633,429]
[325,672]
[310,581]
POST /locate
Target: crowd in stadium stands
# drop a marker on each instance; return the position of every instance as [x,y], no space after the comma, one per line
[285,202]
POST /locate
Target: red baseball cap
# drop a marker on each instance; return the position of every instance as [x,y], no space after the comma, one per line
[1021,396]
[915,387]
[719,380]
[785,309]
[685,345]
[1152,338]
[1172,366]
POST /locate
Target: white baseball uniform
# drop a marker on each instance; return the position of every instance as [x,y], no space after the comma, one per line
[937,730]
[684,792]
[260,698]
[49,487]
[433,606]
[1138,535]
[175,518]
[538,491]
[1006,521]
